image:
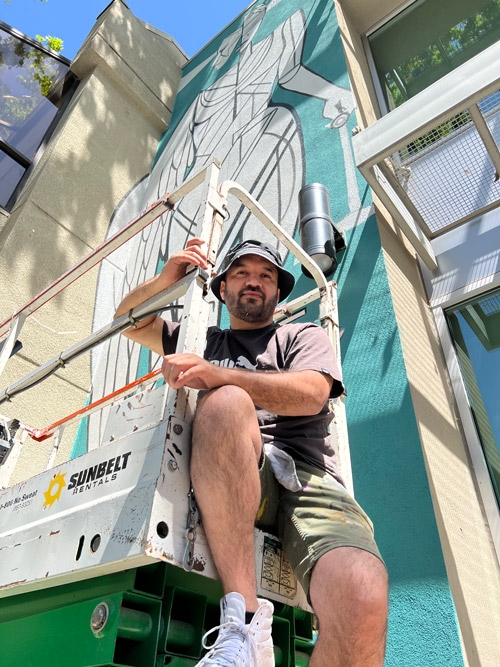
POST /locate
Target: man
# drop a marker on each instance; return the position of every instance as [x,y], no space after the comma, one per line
[264,416]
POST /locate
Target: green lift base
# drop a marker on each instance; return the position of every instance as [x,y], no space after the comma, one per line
[152,616]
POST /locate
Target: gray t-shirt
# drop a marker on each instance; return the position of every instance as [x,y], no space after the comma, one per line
[289,347]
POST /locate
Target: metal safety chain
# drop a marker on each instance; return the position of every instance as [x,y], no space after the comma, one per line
[193,521]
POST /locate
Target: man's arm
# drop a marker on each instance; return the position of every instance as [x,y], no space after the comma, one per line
[289,393]
[149,330]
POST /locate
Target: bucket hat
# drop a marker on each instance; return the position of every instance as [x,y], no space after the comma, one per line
[286,281]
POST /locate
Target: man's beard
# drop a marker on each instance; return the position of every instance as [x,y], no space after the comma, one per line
[252,310]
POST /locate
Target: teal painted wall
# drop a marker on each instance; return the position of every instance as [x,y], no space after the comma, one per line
[389,473]
[270,98]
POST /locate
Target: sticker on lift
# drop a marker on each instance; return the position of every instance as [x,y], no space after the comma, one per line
[277,574]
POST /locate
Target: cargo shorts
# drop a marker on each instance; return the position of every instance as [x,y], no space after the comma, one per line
[314,520]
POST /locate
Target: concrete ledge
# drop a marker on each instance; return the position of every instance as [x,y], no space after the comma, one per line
[144,63]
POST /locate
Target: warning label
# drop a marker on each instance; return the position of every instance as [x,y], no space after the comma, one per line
[277,574]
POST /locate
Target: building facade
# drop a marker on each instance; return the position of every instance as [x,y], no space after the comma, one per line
[393,108]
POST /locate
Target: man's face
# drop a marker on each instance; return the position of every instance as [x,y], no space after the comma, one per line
[250,290]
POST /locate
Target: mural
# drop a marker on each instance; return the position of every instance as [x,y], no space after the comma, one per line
[269,97]
[243,100]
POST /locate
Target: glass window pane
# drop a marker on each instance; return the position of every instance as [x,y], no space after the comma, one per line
[475,329]
[29,79]
[10,174]
[427,40]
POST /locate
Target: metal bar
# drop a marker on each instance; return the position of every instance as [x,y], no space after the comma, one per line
[134,624]
[155,304]
[385,192]
[466,218]
[179,406]
[15,328]
[486,136]
[421,227]
[144,219]
[231,187]
[301,659]
[55,448]
[289,307]
[194,181]
[192,333]
[215,213]
[180,633]
[16,155]
[40,434]
[138,224]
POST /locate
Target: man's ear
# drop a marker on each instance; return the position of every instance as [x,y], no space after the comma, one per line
[222,288]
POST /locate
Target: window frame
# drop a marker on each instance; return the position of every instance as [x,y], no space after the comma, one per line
[70,84]
[384,109]
[387,18]
[479,467]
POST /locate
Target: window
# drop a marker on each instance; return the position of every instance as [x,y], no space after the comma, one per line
[33,84]
[427,40]
[475,330]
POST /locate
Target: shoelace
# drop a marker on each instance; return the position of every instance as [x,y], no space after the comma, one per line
[228,644]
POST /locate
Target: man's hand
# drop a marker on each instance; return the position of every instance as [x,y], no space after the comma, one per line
[189,370]
[177,264]
[149,330]
[288,393]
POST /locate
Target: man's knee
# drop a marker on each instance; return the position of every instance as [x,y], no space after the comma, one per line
[350,576]
[224,403]
[226,423]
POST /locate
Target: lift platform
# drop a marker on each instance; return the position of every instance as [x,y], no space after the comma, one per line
[103,561]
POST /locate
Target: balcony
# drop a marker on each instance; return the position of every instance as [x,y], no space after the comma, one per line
[434,161]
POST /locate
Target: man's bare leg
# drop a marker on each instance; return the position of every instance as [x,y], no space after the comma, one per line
[226,447]
[349,596]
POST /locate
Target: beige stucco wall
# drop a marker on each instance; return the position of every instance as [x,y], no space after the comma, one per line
[470,560]
[103,145]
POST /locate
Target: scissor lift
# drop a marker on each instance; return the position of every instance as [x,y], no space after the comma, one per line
[102,559]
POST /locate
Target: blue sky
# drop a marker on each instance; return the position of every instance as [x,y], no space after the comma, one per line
[192,23]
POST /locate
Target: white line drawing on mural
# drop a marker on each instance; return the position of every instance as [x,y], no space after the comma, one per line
[260,146]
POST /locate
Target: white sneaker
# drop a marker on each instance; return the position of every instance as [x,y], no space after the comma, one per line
[238,644]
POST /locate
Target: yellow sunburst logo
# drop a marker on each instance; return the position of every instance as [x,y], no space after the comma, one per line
[53,493]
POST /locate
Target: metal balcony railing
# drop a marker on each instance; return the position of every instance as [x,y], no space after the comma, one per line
[434,161]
